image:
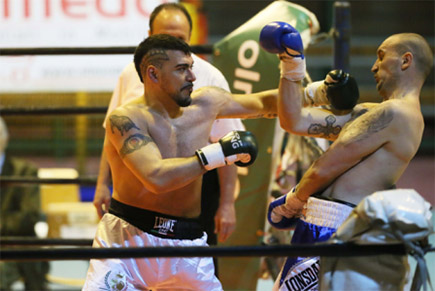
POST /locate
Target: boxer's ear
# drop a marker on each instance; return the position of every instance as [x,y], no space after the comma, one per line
[407,59]
[152,73]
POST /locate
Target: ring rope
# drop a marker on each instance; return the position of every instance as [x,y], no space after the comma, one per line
[53,111]
[30,241]
[36,180]
[198,49]
[325,249]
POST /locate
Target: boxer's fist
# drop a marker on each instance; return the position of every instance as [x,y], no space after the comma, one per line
[239,147]
[240,142]
[285,211]
[276,36]
[341,90]
[283,39]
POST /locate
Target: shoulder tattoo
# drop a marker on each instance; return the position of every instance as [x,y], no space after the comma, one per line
[133,143]
[122,123]
[356,114]
[370,123]
[325,130]
[377,121]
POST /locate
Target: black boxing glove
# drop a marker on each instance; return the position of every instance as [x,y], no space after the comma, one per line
[239,147]
[343,93]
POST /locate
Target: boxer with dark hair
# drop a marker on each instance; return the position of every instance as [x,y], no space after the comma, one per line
[157,160]
[218,214]
[372,146]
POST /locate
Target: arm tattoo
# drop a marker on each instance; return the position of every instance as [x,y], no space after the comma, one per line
[122,123]
[264,115]
[133,143]
[325,131]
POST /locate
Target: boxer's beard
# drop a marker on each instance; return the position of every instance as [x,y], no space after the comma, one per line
[184,102]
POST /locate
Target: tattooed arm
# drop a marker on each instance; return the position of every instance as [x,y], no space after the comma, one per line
[361,138]
[315,122]
[136,149]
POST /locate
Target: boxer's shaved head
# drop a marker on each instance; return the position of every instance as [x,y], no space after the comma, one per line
[418,46]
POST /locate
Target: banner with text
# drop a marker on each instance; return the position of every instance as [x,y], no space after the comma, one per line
[69,23]
[248,68]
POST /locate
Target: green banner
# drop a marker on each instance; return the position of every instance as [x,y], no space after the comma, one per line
[248,68]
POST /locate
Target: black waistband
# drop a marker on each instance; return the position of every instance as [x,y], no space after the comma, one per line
[157,224]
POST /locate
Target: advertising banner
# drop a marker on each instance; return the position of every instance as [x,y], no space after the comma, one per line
[69,23]
[248,68]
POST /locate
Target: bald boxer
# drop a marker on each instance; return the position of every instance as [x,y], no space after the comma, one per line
[157,150]
[372,146]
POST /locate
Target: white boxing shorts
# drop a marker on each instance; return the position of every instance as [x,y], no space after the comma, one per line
[323,217]
[127,226]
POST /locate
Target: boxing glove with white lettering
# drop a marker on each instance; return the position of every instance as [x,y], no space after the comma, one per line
[281,38]
[284,211]
[239,147]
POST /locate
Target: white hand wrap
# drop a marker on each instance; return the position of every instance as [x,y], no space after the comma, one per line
[293,69]
[315,94]
[213,157]
[292,206]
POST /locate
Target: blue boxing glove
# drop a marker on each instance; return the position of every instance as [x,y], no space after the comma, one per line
[284,211]
[283,39]
[277,36]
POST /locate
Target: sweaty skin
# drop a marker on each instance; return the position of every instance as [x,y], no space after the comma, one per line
[151,152]
[169,138]
[372,146]
[376,148]
[174,22]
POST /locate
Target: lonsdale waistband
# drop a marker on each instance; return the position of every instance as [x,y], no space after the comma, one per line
[326,213]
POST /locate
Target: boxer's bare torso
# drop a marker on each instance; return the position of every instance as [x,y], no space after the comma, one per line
[151,141]
[174,137]
[400,123]
[138,136]
[371,151]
